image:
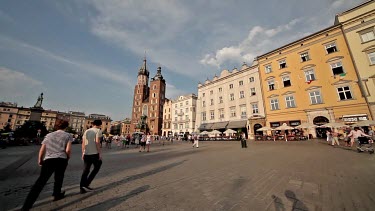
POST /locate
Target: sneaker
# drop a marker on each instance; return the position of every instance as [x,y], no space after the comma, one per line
[59,196]
[82,191]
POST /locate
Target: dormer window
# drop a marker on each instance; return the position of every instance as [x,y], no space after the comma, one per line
[282,64]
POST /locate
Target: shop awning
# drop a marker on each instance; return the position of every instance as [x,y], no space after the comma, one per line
[237,124]
[205,126]
[219,125]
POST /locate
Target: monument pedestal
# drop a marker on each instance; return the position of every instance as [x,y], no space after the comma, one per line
[36,114]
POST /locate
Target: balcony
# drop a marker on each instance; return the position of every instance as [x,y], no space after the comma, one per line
[180,113]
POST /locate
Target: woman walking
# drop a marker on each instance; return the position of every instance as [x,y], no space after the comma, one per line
[148,141]
[53,158]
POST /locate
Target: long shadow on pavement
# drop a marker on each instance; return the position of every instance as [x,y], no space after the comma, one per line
[106,205]
[115,184]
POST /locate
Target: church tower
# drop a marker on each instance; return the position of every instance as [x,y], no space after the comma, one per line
[141,95]
[156,102]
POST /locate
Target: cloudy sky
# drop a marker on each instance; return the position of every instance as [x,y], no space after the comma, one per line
[84,54]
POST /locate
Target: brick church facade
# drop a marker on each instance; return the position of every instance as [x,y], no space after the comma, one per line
[148,101]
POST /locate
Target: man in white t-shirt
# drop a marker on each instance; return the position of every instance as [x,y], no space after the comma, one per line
[91,155]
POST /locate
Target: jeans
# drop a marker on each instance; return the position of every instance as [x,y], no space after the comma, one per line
[49,166]
[89,160]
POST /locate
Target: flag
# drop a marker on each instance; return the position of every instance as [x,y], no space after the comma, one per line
[309,81]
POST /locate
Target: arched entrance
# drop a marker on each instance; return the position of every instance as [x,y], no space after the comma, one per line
[256,127]
[321,132]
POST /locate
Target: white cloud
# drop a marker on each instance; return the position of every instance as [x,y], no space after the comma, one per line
[257,40]
[84,67]
[15,84]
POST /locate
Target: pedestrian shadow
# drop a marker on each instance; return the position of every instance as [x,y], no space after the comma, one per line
[106,205]
[298,205]
[113,185]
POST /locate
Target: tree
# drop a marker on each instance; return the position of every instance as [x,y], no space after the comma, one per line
[6,129]
[30,130]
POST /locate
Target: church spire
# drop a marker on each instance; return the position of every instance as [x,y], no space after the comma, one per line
[143,70]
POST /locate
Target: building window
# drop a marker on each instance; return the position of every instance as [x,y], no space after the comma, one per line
[175,126]
[344,93]
[268,68]
[175,119]
[154,86]
[274,104]
[211,92]
[315,97]
[187,102]
[331,48]
[290,102]
[154,95]
[309,75]
[231,97]
[242,94]
[221,113]
[175,105]
[371,57]
[203,116]
[252,91]
[233,111]
[271,85]
[186,117]
[240,83]
[175,112]
[337,68]
[220,99]
[187,125]
[181,104]
[212,115]
[203,103]
[186,110]
[220,89]
[230,86]
[282,64]
[305,57]
[368,36]
[212,102]
[251,79]
[255,108]
[286,81]
[243,111]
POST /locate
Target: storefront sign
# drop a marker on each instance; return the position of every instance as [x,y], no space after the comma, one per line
[294,123]
[354,118]
[275,124]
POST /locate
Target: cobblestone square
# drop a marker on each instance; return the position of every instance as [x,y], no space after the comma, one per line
[309,175]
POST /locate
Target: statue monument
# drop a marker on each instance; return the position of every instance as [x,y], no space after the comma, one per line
[39,102]
[37,109]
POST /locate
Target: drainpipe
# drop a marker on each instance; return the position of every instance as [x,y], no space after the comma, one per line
[360,84]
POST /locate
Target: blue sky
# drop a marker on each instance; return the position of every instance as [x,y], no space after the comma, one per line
[84,55]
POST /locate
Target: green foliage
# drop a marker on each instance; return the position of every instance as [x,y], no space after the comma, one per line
[30,129]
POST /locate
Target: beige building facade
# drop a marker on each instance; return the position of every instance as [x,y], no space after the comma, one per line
[358,26]
[232,100]
[77,121]
[167,118]
[183,114]
[8,115]
[49,119]
[106,122]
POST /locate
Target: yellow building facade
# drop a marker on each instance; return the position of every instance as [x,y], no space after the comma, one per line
[358,25]
[311,80]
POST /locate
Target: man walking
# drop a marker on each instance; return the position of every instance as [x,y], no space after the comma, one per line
[53,158]
[91,155]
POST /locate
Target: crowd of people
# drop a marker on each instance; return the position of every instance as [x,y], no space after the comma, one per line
[349,135]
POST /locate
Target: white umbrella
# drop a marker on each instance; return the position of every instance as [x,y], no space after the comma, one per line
[215,132]
[230,131]
[364,123]
[334,125]
[204,133]
[265,128]
[284,127]
[306,125]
